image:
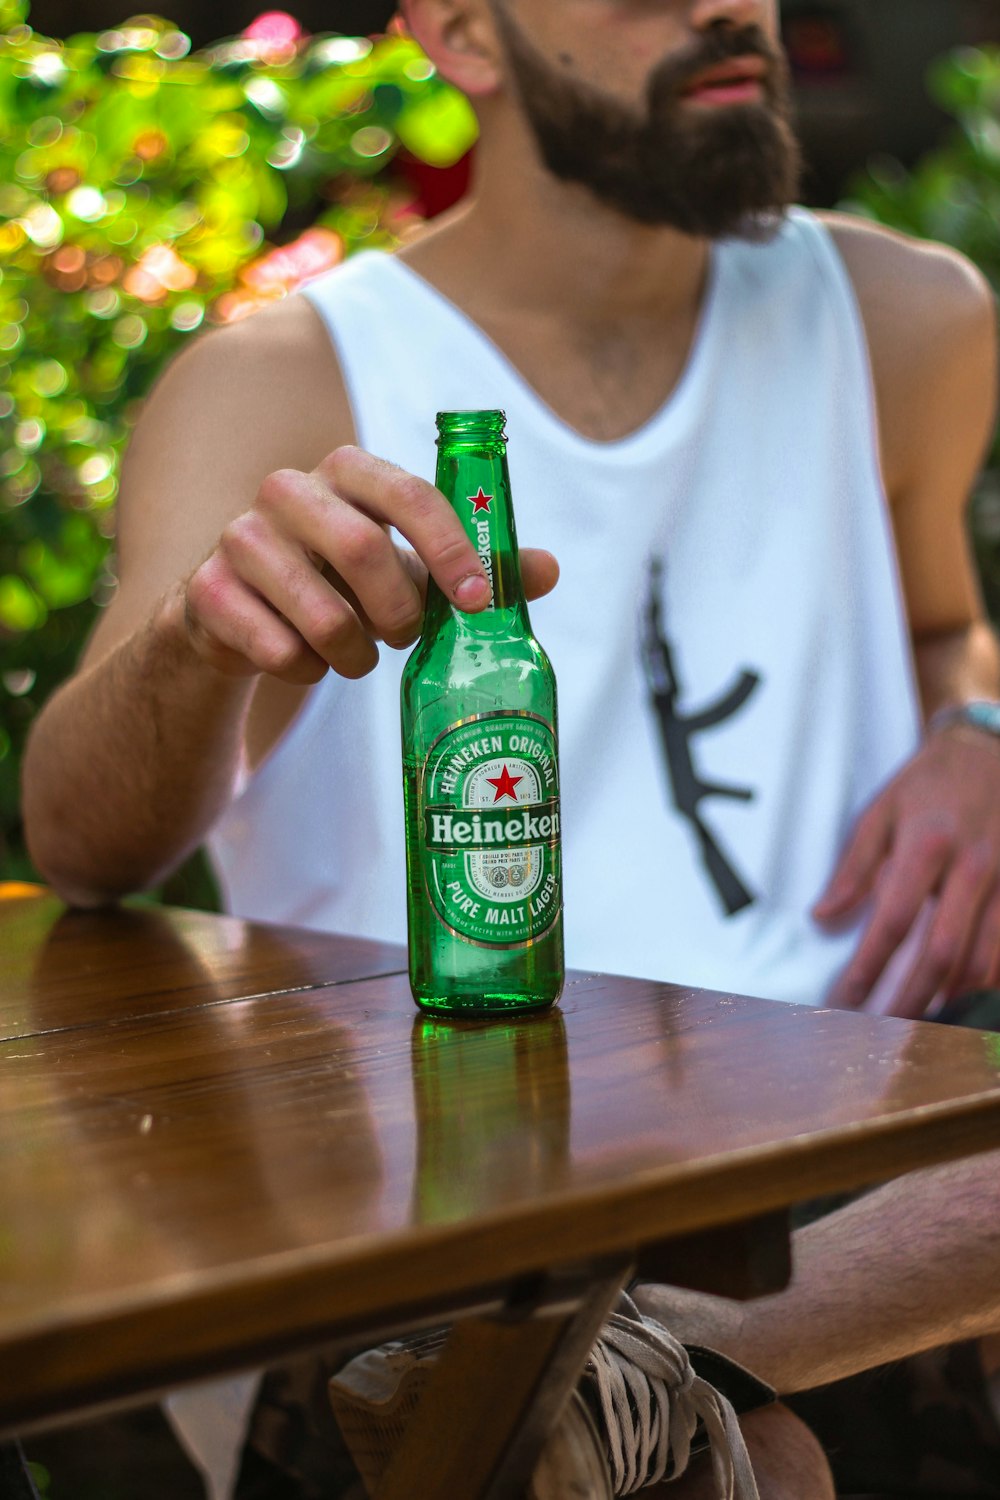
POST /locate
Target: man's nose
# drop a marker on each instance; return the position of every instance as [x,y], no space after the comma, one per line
[706,13]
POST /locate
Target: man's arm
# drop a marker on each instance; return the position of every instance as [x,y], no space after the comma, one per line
[254,552]
[910,1266]
[132,759]
[130,762]
[935,830]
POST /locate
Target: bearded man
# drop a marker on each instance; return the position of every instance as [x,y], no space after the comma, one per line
[748,432]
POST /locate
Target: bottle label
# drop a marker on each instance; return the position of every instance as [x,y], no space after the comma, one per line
[489,816]
[482,537]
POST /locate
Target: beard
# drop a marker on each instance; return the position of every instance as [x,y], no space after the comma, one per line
[707,171]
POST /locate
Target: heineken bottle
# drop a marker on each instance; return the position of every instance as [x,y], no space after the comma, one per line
[480,770]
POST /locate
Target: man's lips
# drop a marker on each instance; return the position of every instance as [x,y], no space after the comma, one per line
[739,81]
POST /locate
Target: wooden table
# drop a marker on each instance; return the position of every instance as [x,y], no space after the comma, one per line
[222,1143]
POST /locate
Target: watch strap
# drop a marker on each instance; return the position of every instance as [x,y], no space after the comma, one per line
[979,713]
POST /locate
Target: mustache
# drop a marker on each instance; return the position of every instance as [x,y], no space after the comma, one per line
[720,45]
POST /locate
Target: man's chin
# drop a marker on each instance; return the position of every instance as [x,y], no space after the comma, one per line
[725,216]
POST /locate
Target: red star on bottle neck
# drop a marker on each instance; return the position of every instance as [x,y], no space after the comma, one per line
[505,784]
[480,502]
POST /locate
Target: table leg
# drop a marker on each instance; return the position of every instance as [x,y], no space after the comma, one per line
[498,1389]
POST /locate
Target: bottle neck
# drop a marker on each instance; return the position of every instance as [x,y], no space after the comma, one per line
[474,477]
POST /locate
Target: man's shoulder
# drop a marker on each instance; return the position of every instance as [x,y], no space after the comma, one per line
[930,322]
[270,382]
[288,334]
[912,292]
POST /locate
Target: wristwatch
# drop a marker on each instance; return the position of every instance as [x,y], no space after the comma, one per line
[980,713]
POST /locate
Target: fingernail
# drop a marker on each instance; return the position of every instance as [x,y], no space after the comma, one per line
[472,590]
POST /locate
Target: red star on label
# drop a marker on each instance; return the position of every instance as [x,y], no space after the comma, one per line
[505,784]
[480,502]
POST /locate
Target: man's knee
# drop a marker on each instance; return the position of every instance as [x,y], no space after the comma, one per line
[787,1460]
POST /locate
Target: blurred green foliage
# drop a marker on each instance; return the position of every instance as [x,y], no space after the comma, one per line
[953,195]
[145,192]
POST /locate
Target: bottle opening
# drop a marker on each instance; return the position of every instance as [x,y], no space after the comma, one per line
[471,425]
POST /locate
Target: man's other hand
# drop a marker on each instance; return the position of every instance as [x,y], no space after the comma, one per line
[309,578]
[933,834]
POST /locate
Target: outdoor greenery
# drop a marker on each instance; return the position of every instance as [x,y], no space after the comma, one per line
[953,195]
[144,193]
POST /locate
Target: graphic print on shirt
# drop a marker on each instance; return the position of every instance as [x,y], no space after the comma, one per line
[677,730]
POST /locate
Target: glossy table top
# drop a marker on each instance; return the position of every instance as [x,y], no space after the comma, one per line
[219,1135]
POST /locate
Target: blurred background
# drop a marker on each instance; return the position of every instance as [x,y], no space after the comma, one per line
[860,70]
[859,65]
[158,176]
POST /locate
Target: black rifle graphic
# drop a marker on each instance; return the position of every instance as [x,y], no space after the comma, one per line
[677,730]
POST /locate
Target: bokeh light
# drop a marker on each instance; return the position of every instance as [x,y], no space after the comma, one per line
[147,192]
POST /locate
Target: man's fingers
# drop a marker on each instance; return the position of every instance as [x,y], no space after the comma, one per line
[951,934]
[539,572]
[324,529]
[283,573]
[981,970]
[859,865]
[237,633]
[419,512]
[913,873]
[316,550]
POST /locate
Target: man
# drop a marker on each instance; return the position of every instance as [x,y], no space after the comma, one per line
[706,402]
[586,291]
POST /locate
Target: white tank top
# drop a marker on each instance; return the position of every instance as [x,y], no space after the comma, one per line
[729,589]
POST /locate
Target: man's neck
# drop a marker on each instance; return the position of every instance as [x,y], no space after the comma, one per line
[529,243]
[597,312]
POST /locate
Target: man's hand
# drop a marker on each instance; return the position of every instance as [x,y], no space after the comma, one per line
[309,577]
[933,833]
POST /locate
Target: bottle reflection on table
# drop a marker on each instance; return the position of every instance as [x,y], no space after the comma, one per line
[492,1110]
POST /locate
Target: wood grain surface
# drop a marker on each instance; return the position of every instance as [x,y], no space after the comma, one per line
[62,968]
[187,1184]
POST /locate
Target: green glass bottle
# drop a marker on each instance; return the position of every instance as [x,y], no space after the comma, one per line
[480,766]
